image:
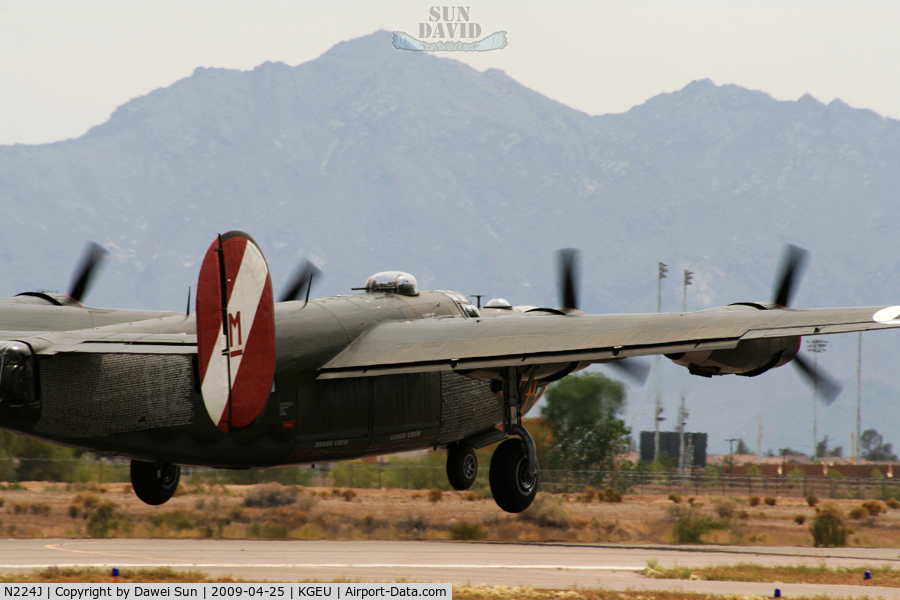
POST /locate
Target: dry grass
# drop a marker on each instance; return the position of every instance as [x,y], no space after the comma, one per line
[747,572]
[218,511]
[93,575]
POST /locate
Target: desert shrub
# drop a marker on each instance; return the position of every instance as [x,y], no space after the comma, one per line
[753,500]
[857,512]
[435,495]
[601,496]
[743,515]
[800,519]
[82,504]
[237,514]
[588,496]
[676,498]
[465,530]
[348,495]
[474,496]
[2,502]
[828,528]
[370,523]
[770,501]
[270,495]
[610,495]
[812,500]
[86,499]
[179,519]
[547,511]
[692,525]
[104,519]
[39,508]
[414,525]
[725,509]
[290,516]
[891,502]
[268,530]
[874,507]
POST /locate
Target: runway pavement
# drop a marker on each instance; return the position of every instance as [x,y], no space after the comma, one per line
[536,565]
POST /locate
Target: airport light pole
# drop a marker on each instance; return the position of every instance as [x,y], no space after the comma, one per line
[816,346]
[661,274]
[682,419]
[858,396]
[688,276]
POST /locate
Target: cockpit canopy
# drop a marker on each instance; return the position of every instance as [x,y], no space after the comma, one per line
[393,282]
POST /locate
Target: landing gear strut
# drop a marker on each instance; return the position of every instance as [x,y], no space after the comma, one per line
[154,483]
[462,465]
[514,467]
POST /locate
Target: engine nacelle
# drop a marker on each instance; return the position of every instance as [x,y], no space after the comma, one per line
[749,358]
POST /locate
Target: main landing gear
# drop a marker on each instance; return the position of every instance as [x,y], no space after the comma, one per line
[513,483]
[154,483]
[514,467]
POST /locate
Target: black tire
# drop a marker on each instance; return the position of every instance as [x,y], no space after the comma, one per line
[462,465]
[154,483]
[513,489]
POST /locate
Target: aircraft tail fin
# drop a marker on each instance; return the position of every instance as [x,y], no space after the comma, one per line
[235,331]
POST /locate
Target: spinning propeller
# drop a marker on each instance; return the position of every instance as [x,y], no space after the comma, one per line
[91,261]
[301,282]
[634,369]
[568,275]
[792,265]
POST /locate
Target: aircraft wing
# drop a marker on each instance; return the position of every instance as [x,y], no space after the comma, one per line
[488,343]
[105,343]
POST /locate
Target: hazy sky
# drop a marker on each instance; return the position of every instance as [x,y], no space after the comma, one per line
[67,65]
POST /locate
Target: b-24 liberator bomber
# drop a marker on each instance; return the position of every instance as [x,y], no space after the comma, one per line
[244,381]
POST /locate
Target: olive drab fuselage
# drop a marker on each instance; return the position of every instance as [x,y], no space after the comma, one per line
[150,406]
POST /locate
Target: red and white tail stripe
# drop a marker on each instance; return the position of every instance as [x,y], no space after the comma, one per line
[235,331]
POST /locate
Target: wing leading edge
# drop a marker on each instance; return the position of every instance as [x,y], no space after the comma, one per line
[488,343]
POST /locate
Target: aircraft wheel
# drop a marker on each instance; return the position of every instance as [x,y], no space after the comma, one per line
[513,488]
[154,483]
[462,465]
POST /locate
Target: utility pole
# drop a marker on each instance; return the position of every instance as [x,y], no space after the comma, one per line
[816,346]
[682,413]
[682,455]
[656,421]
[688,276]
[758,437]
[858,395]
[661,274]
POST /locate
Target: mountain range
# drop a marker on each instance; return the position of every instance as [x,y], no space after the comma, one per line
[368,158]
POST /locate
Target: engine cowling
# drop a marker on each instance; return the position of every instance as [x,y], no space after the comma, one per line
[748,359]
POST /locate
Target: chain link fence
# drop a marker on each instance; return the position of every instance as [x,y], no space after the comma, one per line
[410,475]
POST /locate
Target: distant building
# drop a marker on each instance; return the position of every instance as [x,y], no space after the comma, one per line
[670,444]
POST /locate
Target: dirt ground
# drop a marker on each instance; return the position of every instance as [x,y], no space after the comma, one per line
[112,510]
